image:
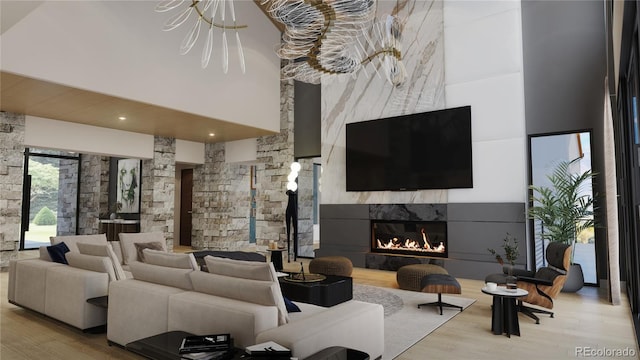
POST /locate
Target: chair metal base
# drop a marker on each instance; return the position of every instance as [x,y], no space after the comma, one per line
[440,304]
[531,312]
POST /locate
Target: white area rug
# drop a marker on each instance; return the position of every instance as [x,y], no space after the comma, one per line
[404,323]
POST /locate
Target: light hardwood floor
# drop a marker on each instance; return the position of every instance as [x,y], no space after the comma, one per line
[583,320]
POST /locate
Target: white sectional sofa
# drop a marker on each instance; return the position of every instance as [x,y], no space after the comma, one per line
[237,297]
[60,290]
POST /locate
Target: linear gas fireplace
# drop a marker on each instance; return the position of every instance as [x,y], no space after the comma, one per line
[417,238]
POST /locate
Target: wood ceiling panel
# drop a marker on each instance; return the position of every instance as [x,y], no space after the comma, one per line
[34,97]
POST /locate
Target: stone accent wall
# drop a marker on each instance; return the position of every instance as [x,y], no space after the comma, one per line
[221,202]
[90,194]
[221,191]
[67,197]
[157,188]
[11,176]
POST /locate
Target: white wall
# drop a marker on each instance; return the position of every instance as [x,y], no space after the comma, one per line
[62,135]
[484,69]
[118,48]
[80,138]
[241,151]
[189,152]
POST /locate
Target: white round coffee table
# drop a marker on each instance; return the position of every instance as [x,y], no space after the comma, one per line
[504,312]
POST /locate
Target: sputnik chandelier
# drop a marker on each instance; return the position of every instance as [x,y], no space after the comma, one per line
[216,8]
[337,37]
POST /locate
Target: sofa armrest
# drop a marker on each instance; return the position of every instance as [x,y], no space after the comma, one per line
[352,324]
[517,271]
[536,281]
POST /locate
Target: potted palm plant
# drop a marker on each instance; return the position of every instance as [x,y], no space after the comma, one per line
[564,209]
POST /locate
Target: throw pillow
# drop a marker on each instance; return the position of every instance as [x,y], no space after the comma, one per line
[150,245]
[92,249]
[129,253]
[291,307]
[72,240]
[174,260]
[103,250]
[57,251]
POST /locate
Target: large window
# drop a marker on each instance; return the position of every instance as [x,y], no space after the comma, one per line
[546,152]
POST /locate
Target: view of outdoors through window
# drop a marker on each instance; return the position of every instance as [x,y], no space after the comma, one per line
[546,152]
[51,184]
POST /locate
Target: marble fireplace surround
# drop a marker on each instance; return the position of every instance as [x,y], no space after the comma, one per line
[345,230]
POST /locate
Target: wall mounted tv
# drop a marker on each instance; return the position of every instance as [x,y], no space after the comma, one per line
[429,150]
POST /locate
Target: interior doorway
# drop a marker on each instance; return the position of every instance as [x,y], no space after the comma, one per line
[186,206]
[49,196]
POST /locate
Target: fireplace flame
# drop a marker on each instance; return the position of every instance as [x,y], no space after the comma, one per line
[409,244]
[411,238]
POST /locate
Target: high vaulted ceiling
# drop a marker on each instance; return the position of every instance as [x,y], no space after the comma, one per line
[32,94]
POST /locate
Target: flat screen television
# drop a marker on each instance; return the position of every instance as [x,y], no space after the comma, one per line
[430,150]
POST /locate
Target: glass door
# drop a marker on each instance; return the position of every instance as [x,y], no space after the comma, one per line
[308,207]
[50,196]
[546,152]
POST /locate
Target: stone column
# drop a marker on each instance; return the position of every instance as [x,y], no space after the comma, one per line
[67,197]
[275,155]
[157,188]
[90,194]
[104,186]
[11,177]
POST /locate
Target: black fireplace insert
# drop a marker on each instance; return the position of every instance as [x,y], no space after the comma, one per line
[417,238]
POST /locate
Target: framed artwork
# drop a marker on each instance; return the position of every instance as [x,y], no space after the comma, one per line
[128,185]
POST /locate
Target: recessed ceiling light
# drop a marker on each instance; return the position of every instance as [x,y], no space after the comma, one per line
[212,134]
[122,118]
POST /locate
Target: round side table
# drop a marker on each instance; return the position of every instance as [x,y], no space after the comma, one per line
[504,312]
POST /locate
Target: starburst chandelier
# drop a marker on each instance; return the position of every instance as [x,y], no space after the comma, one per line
[216,20]
[321,37]
[337,37]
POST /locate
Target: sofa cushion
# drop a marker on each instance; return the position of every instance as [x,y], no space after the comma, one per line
[175,260]
[253,291]
[239,268]
[127,241]
[101,264]
[72,240]
[117,248]
[140,247]
[57,252]
[249,270]
[104,250]
[162,275]
[44,253]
